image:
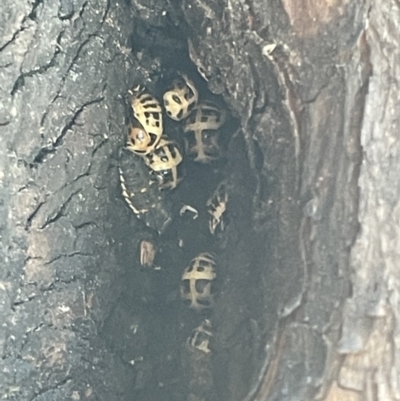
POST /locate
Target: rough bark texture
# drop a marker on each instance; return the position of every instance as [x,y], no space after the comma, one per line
[62,66]
[307,300]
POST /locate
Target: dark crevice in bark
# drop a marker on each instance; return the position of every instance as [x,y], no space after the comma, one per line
[35,5]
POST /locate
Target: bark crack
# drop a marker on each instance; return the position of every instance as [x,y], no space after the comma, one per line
[41,156]
[60,212]
[32,216]
[31,16]
[20,82]
[13,38]
[67,255]
[64,76]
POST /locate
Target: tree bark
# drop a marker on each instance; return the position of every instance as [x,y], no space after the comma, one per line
[307,299]
[63,67]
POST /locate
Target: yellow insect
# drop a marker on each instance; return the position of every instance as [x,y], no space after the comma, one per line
[165,161]
[196,281]
[202,133]
[146,128]
[142,195]
[181,98]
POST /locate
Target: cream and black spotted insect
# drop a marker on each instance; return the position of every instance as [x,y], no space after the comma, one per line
[166,163]
[142,194]
[181,98]
[196,282]
[201,336]
[202,133]
[217,207]
[146,127]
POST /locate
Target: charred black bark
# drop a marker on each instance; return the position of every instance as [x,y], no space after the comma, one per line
[64,68]
[303,284]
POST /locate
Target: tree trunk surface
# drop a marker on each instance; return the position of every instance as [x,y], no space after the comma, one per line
[307,295]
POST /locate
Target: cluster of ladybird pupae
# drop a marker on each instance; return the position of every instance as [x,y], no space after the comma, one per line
[146,138]
[143,189]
